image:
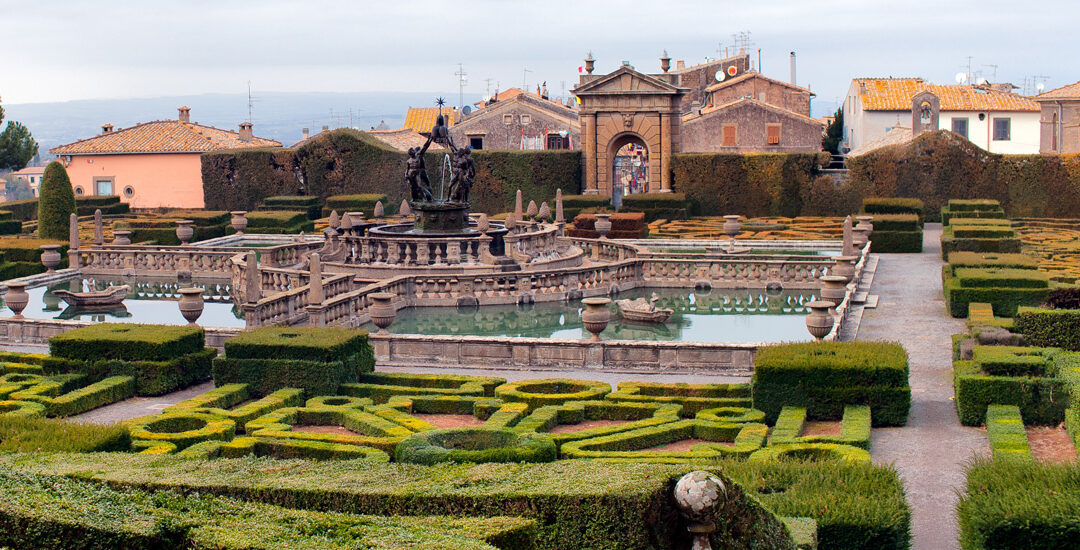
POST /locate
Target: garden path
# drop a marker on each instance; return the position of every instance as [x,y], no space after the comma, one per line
[139,406]
[931,450]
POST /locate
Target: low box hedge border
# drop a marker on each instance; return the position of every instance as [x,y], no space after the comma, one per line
[475,445]
[811,451]
[552,391]
[854,428]
[1042,400]
[22,408]
[160,377]
[634,415]
[893,205]
[285,397]
[896,242]
[998,277]
[182,429]
[630,445]
[1014,360]
[494,412]
[1004,301]
[374,430]
[98,394]
[380,386]
[692,397]
[1006,433]
[127,342]
[286,448]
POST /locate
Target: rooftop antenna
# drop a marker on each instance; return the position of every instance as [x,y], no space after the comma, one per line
[250,103]
[487,85]
[461,74]
[995,67]
[524,79]
[970,75]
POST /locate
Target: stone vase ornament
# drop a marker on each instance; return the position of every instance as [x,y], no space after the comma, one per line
[698,495]
[184,231]
[603,225]
[866,222]
[731,229]
[819,322]
[50,256]
[596,316]
[834,289]
[239,221]
[16,298]
[191,304]
[121,237]
[844,266]
[382,310]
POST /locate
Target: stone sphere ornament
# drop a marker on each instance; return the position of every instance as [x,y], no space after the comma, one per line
[699,494]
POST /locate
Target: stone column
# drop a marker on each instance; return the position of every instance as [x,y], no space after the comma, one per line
[849,236]
[99,231]
[589,151]
[315,295]
[252,286]
[518,211]
[73,241]
[665,153]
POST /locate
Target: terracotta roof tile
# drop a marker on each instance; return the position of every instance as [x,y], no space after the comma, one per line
[1072,91]
[162,136]
[894,94]
[402,139]
[724,106]
[422,119]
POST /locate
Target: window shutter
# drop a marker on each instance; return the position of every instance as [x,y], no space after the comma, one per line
[772,132]
[728,135]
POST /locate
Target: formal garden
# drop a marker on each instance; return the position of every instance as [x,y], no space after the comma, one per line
[297,367]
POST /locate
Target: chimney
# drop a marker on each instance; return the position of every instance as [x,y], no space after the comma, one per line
[680,65]
[106,128]
[793,69]
[304,133]
[245,131]
[185,113]
[325,128]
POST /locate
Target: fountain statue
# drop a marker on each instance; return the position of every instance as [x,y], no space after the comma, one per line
[448,212]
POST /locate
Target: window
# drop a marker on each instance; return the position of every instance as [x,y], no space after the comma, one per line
[103,186]
[772,134]
[526,120]
[556,141]
[960,126]
[31,179]
[727,135]
[129,191]
[1002,129]
[508,119]
[1054,133]
[476,142]
[78,190]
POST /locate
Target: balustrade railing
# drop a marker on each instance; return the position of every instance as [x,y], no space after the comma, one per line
[135,259]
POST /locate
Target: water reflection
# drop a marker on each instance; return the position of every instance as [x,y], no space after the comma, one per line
[715,316]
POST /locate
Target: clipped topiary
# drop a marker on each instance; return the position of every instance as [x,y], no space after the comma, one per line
[56,202]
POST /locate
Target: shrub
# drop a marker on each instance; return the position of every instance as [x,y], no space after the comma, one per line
[1005,301]
[1013,360]
[974,205]
[881,205]
[692,397]
[314,344]
[1059,328]
[309,205]
[810,451]
[108,204]
[1064,298]
[1005,430]
[182,429]
[475,445]
[655,206]
[1020,504]
[1042,400]
[552,391]
[896,242]
[896,222]
[751,185]
[22,434]
[127,342]
[56,202]
[160,377]
[826,376]
[638,445]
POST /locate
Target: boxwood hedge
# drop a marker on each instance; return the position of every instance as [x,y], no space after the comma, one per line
[1058,328]
[692,397]
[475,444]
[127,342]
[1006,433]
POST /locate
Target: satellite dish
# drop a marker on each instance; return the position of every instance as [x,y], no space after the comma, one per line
[720,76]
[961,78]
[983,82]
[732,70]
[466,110]
[1040,86]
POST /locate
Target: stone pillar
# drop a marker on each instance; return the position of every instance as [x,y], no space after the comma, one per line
[665,153]
[73,241]
[518,213]
[99,231]
[485,250]
[315,295]
[589,151]
[559,216]
[849,235]
[252,287]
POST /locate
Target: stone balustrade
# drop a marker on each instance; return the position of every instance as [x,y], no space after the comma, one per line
[605,249]
[155,260]
[289,254]
[291,307]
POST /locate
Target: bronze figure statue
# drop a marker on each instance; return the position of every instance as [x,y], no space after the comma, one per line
[416,174]
[464,174]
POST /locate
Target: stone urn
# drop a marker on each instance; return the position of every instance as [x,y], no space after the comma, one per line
[16,297]
[184,231]
[382,310]
[121,237]
[834,289]
[191,304]
[866,222]
[698,495]
[732,226]
[819,322]
[596,316]
[239,221]
[845,267]
[50,256]
[603,225]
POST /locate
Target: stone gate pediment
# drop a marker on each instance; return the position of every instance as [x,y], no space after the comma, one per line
[625,80]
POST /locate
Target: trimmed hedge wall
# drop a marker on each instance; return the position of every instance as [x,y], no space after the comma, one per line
[1042,398]
[1059,328]
[22,210]
[127,342]
[364,202]
[576,204]
[655,206]
[824,377]
[751,185]
[348,162]
[1005,430]
[692,397]
[881,205]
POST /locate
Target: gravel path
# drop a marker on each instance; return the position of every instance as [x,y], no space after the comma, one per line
[931,450]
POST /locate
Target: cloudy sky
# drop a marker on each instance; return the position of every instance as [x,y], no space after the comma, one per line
[55,50]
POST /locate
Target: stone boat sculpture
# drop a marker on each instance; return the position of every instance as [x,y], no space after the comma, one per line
[108,297]
[641,310]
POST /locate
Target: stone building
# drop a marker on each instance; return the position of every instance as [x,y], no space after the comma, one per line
[698,78]
[1059,121]
[519,121]
[749,125]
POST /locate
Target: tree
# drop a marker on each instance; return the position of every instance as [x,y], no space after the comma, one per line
[56,202]
[834,134]
[17,145]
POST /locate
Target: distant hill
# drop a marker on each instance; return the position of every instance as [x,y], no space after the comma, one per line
[277,115]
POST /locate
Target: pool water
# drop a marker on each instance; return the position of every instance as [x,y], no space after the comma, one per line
[718,316]
[150,300]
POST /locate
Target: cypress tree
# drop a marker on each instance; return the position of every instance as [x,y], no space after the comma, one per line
[56,202]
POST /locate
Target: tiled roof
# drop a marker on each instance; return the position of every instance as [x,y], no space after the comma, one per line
[894,94]
[402,139]
[896,136]
[162,136]
[30,171]
[422,119]
[714,108]
[755,75]
[1072,91]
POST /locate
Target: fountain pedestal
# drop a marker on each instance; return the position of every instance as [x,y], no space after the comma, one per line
[441,216]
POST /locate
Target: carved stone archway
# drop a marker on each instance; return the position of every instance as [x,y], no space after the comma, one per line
[617,143]
[627,102]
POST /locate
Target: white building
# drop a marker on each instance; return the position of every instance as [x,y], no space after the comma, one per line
[996,120]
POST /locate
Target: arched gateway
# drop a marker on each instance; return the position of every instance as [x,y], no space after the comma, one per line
[628,107]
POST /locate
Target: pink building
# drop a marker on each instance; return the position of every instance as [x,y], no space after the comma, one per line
[153,164]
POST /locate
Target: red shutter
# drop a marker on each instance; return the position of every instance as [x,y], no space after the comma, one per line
[728,135]
[773,134]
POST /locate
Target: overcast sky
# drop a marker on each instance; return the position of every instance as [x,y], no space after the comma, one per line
[55,50]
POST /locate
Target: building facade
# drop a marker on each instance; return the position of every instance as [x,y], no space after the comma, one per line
[1059,120]
[523,122]
[750,126]
[31,176]
[151,165]
[996,120]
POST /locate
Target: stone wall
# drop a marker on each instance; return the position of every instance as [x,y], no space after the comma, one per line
[704,134]
[765,90]
[501,126]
